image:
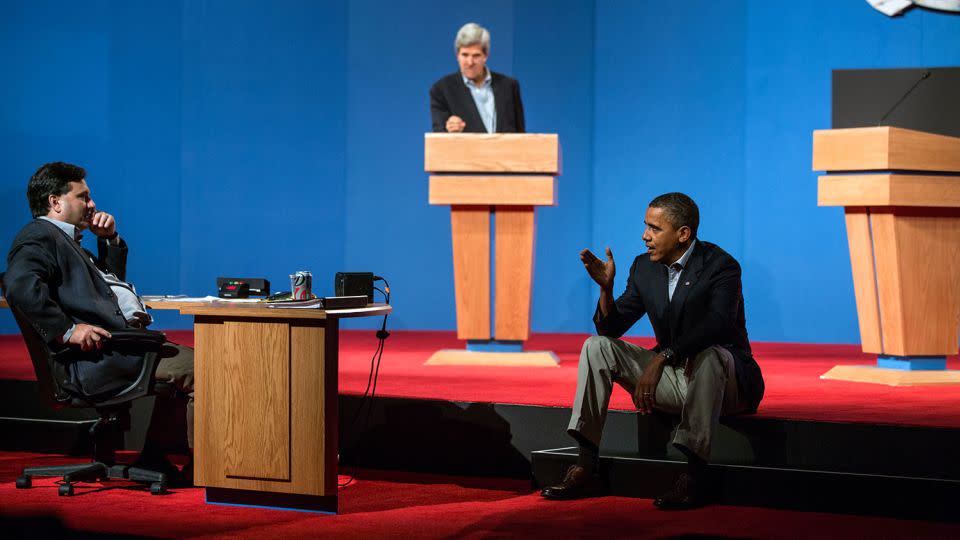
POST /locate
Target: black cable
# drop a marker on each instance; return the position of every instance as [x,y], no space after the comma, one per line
[372,376]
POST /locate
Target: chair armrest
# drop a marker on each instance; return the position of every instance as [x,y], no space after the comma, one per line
[137,336]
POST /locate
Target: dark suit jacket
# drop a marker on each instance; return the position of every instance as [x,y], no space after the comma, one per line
[706,310]
[53,281]
[450,96]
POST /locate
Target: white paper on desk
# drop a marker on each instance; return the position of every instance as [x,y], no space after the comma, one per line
[316,303]
[148,298]
[156,298]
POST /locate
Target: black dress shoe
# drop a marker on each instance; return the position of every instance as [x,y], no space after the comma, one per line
[687,493]
[577,483]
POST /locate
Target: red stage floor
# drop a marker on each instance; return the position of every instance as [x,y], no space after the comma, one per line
[792,373]
[381,504]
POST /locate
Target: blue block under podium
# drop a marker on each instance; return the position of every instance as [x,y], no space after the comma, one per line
[913,363]
[493,345]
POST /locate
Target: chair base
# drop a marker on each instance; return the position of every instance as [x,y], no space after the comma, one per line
[95,471]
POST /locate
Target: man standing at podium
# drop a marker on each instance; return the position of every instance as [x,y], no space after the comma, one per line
[701,367]
[475,99]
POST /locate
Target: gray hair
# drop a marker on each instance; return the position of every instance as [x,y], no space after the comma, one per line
[472,34]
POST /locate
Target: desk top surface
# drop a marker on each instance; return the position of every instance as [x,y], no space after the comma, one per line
[259,310]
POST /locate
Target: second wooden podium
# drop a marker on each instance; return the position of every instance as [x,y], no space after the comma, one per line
[901,193]
[502,176]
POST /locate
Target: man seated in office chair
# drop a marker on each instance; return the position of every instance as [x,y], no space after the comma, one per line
[74,299]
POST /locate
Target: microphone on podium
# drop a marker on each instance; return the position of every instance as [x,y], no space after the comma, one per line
[926,75]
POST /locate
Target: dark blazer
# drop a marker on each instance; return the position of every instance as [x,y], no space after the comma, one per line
[706,310]
[54,282]
[450,96]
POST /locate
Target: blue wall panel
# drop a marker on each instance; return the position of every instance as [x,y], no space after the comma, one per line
[390,229]
[262,120]
[669,117]
[553,58]
[797,278]
[255,138]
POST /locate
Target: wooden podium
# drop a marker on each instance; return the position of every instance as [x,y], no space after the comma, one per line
[504,175]
[901,194]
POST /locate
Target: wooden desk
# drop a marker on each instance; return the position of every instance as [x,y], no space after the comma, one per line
[265,402]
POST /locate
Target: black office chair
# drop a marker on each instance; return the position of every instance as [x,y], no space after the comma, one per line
[113,411]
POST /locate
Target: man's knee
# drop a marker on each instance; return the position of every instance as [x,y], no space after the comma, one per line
[598,344]
[597,347]
[709,361]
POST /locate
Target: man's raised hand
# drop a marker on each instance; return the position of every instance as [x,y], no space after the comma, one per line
[601,272]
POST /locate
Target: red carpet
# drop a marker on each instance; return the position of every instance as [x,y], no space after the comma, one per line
[792,371]
[391,504]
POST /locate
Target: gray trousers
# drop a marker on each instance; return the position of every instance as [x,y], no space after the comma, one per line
[700,398]
[176,368]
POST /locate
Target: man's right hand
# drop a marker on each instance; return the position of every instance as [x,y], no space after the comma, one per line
[601,272]
[88,337]
[455,124]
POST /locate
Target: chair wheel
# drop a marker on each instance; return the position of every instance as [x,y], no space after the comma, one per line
[65,490]
[23,482]
[158,488]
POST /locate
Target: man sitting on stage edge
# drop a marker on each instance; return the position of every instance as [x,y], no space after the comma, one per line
[701,367]
[75,300]
[475,99]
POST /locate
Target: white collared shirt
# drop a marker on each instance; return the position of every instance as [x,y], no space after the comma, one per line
[483,97]
[675,269]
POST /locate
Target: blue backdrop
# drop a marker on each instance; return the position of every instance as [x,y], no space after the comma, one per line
[256,138]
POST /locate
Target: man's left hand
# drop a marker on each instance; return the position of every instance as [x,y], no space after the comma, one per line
[645,394]
[103,225]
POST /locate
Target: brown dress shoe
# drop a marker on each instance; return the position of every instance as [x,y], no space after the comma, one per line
[577,483]
[687,493]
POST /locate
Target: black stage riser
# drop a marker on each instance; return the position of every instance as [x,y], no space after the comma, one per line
[768,487]
[27,425]
[498,439]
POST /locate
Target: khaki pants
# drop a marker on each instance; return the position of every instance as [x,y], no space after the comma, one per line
[176,368]
[700,399]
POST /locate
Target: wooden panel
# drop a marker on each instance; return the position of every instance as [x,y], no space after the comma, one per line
[492,152]
[864,278]
[313,419]
[514,266]
[494,190]
[886,252]
[929,257]
[312,414]
[470,229]
[889,190]
[460,357]
[891,377]
[918,259]
[242,401]
[884,148]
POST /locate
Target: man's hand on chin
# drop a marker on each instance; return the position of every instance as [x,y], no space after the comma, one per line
[103,225]
[88,337]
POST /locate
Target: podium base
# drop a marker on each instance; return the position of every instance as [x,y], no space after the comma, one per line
[891,377]
[459,357]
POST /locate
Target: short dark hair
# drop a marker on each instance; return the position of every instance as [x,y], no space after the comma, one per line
[51,179]
[680,210]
